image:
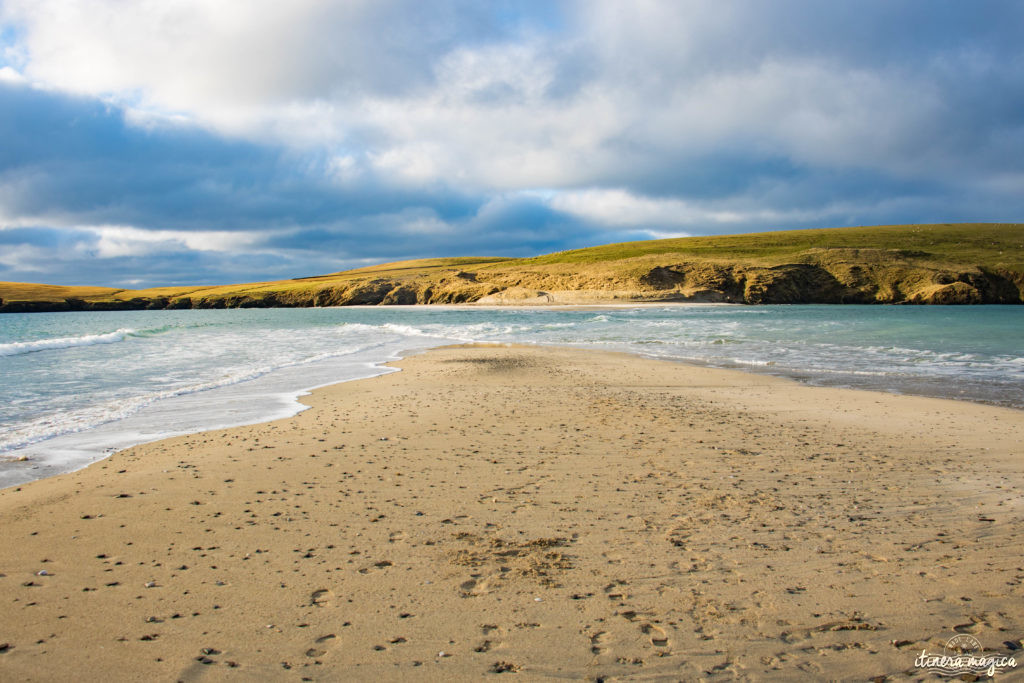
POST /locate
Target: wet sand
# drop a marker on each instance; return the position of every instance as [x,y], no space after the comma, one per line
[531,512]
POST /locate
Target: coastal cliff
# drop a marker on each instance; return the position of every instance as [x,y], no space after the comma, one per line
[919,264]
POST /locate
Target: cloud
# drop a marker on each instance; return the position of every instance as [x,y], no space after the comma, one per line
[333,133]
[124,240]
[621,208]
[456,91]
[248,66]
[70,160]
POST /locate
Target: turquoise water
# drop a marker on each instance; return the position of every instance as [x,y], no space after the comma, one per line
[73,386]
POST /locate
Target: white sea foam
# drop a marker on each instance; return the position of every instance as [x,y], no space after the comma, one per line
[18,348]
[95,414]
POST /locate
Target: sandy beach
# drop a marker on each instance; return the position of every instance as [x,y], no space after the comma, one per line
[532,512]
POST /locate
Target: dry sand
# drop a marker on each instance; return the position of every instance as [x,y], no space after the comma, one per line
[548,512]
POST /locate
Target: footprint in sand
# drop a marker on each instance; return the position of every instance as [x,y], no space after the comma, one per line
[976,624]
[657,634]
[322,597]
[597,643]
[474,587]
[614,590]
[494,633]
[321,645]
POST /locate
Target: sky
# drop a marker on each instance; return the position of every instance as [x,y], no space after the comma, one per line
[175,142]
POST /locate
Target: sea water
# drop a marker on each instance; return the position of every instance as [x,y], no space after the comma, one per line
[76,386]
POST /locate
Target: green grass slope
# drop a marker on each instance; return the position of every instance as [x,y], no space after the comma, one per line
[923,264]
[985,244]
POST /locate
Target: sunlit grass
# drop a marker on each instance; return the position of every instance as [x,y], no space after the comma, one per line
[953,246]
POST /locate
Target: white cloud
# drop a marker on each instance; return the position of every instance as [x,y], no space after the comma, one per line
[9,221]
[26,258]
[415,162]
[425,225]
[658,81]
[9,75]
[240,66]
[618,208]
[344,168]
[122,240]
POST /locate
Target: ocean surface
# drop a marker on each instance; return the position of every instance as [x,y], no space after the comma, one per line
[77,386]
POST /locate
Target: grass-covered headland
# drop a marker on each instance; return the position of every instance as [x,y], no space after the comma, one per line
[969,263]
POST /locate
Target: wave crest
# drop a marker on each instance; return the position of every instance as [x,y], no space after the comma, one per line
[19,348]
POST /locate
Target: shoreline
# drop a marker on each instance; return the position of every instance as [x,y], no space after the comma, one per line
[611,304]
[545,510]
[102,449]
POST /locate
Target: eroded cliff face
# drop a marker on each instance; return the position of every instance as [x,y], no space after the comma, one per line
[833,283]
[832,280]
[937,264]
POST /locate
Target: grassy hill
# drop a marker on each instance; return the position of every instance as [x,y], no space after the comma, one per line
[923,264]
